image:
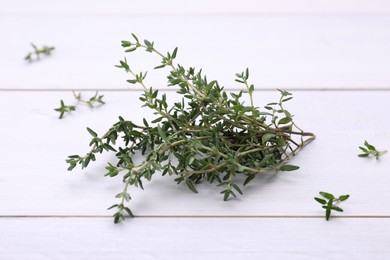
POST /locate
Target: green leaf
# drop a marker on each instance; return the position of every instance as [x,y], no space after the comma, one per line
[210,85]
[327,214]
[174,53]
[191,186]
[126,196]
[251,88]
[369,146]
[124,65]
[280,141]
[284,92]
[286,99]
[162,134]
[336,208]
[320,200]
[118,216]
[265,159]
[288,167]
[128,212]
[113,206]
[108,147]
[155,93]
[131,49]
[157,119]
[265,114]
[145,122]
[266,137]
[91,132]
[226,194]
[135,37]
[327,195]
[249,178]
[75,156]
[343,197]
[147,43]
[160,66]
[126,44]
[363,149]
[284,120]
[237,188]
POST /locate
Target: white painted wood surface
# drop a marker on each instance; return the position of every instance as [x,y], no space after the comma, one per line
[306,46]
[282,51]
[330,163]
[195,7]
[34,183]
[194,238]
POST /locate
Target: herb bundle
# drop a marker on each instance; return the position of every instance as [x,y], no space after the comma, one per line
[210,135]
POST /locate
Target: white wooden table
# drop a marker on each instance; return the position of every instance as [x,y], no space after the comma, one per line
[333,55]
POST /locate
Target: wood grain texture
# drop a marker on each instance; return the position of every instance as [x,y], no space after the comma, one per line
[195,239]
[34,181]
[295,52]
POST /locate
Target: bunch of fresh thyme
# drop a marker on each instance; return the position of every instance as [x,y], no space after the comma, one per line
[210,135]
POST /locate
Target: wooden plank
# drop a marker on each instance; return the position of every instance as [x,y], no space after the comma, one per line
[178,238]
[200,6]
[34,145]
[295,52]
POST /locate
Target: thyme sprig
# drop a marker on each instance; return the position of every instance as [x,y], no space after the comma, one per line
[64,109]
[210,135]
[92,102]
[38,52]
[329,201]
[370,150]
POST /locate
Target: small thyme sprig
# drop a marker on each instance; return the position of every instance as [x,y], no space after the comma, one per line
[64,109]
[91,103]
[328,202]
[370,150]
[210,135]
[36,54]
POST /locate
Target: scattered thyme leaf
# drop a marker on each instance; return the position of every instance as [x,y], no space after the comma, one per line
[210,135]
[38,52]
[370,150]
